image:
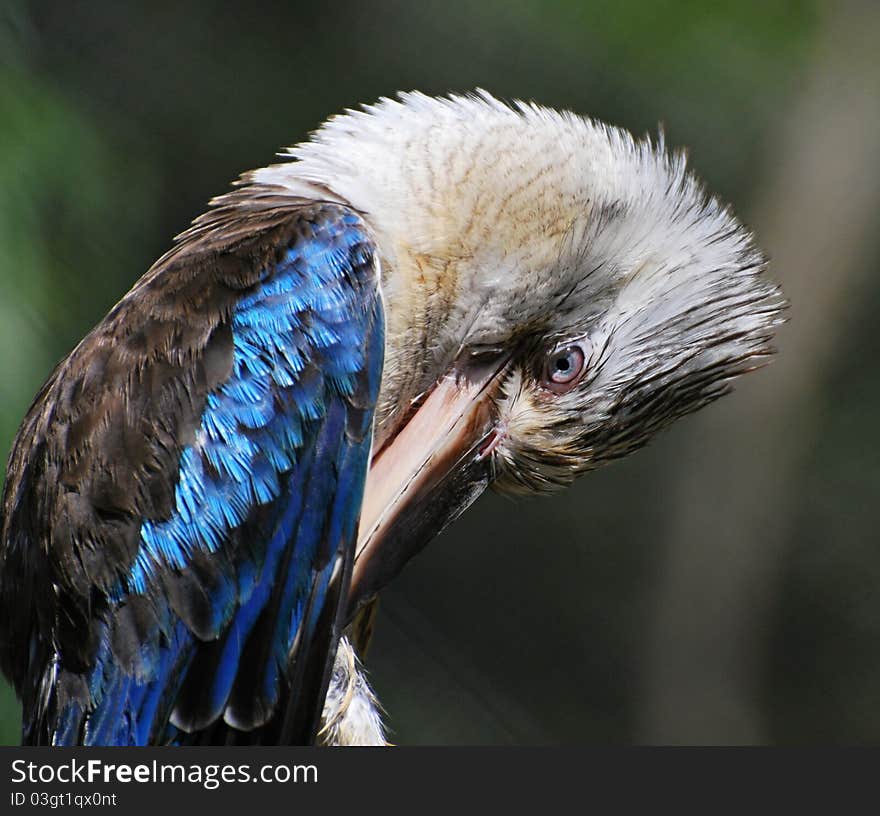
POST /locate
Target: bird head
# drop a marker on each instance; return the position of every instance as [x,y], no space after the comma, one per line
[556,292]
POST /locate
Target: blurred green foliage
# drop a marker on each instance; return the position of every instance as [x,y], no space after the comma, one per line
[118,122]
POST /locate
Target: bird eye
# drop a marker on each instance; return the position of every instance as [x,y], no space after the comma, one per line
[564,367]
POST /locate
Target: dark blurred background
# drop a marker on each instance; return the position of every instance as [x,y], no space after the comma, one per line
[722,586]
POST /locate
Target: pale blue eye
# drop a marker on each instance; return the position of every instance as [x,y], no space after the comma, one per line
[565,365]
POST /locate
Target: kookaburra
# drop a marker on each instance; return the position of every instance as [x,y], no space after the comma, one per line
[428,297]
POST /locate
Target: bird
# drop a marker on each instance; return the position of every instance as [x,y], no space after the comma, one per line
[430,296]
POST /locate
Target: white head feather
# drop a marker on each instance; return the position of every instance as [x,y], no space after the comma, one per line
[496,220]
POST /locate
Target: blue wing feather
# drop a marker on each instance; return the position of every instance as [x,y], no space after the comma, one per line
[264,508]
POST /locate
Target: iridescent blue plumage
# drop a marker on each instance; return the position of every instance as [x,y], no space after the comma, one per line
[252,428]
[225,613]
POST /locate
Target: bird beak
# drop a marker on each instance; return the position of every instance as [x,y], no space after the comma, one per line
[426,475]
